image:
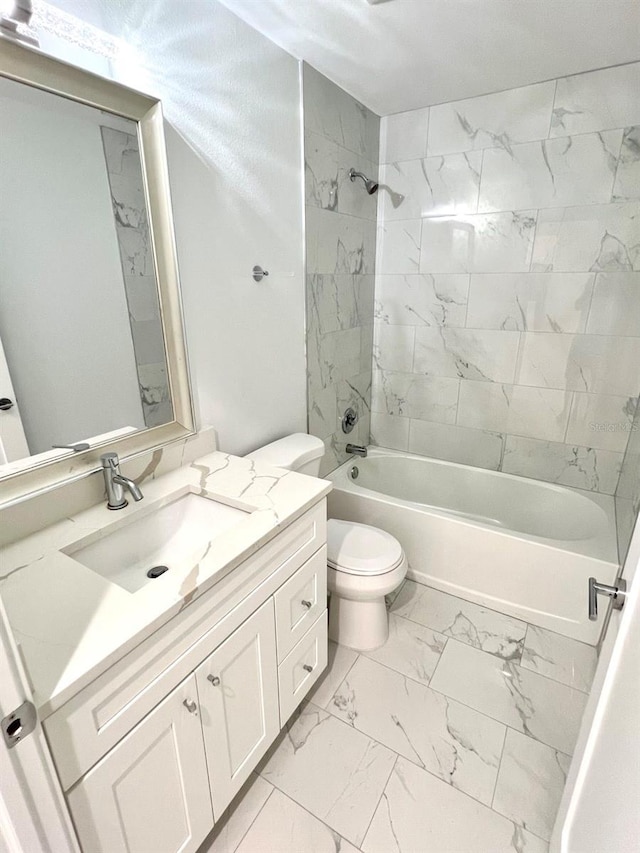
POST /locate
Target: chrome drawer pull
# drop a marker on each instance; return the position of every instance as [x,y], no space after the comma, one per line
[307,604]
[307,667]
[214,680]
[190,705]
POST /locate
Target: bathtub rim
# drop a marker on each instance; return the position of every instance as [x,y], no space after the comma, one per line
[603,548]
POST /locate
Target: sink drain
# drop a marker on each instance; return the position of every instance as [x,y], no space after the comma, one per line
[156,571]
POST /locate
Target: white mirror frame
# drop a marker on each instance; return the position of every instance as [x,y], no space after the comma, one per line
[33,68]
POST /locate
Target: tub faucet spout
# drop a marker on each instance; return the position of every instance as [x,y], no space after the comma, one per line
[357,449]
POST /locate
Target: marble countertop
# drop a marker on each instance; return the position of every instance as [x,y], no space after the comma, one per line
[71,623]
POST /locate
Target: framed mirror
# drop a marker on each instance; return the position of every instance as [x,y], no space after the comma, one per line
[92,349]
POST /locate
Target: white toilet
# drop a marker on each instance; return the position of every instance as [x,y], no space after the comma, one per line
[364,563]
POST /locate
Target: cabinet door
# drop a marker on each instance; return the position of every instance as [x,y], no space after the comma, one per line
[238,688]
[151,792]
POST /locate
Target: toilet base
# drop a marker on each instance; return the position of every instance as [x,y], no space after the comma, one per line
[360,625]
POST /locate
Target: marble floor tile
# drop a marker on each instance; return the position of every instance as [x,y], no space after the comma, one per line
[455,743]
[329,768]
[544,709]
[341,659]
[530,783]
[411,649]
[627,183]
[236,821]
[560,658]
[420,814]
[471,624]
[285,827]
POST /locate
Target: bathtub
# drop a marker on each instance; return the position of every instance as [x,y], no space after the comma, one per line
[521,546]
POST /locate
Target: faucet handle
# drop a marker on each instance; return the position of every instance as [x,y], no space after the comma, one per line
[110,460]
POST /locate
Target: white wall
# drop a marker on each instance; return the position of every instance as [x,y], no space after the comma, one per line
[61,283]
[232,103]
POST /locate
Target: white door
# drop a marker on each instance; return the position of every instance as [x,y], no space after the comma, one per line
[150,794]
[238,689]
[13,442]
[600,809]
[33,813]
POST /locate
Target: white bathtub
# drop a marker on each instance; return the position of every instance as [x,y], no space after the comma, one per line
[521,546]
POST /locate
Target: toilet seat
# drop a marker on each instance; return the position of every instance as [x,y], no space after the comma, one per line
[359,549]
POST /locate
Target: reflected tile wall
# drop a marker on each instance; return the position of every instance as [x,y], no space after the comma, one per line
[507,287]
[122,156]
[340,134]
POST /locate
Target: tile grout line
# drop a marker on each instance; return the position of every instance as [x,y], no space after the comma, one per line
[382,793]
[259,812]
[504,743]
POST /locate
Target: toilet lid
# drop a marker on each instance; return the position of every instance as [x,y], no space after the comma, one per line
[360,549]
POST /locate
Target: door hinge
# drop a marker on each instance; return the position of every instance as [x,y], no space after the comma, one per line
[20,723]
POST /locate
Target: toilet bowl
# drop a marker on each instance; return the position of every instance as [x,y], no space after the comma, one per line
[364,563]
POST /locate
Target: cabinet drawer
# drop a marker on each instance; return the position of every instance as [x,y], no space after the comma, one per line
[300,601]
[302,667]
[93,721]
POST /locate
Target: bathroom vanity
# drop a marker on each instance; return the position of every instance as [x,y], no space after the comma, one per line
[163,645]
[159,696]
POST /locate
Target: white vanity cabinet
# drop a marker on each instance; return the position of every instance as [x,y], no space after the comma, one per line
[151,792]
[238,689]
[148,766]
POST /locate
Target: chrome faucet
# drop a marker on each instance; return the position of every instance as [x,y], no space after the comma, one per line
[116,482]
[357,449]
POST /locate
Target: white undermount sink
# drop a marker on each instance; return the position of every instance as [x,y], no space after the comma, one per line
[176,535]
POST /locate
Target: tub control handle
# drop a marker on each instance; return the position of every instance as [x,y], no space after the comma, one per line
[307,604]
[617,593]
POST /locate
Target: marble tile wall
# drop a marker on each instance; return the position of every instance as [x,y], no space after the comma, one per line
[340,244]
[507,287]
[122,157]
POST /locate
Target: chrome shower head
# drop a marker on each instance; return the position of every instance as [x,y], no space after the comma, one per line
[370,186]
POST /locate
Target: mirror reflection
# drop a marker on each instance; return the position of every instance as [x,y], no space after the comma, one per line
[82,352]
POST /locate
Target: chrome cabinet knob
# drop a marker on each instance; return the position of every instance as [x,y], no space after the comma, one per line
[191,706]
[5,404]
[307,667]
[214,679]
[307,604]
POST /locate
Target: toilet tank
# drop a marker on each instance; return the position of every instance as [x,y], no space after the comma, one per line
[298,452]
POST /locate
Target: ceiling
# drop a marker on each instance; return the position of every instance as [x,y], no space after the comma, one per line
[396,55]
[405,54]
